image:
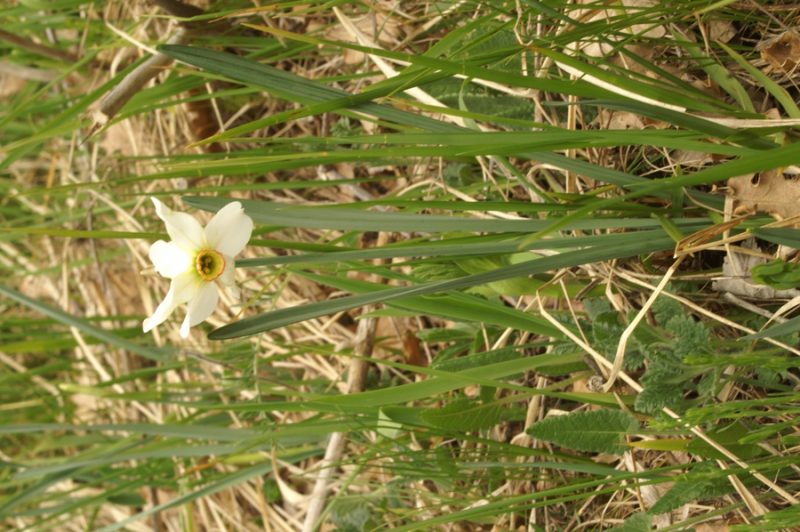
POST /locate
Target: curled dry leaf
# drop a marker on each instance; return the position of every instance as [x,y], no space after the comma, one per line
[736,277]
[771,192]
[624,8]
[721,30]
[375,25]
[782,53]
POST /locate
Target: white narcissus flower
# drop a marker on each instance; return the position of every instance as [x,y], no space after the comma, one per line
[199,261]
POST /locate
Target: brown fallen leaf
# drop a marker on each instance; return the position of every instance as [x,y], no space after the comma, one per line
[721,30]
[782,52]
[771,192]
[413,350]
[619,120]
[375,25]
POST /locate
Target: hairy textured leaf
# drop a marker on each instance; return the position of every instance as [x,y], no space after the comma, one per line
[599,431]
[640,522]
[705,483]
[464,415]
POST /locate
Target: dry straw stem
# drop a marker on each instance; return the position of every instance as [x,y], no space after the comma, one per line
[384,66]
[135,81]
[700,310]
[697,431]
[38,49]
[619,356]
[364,344]
[154,65]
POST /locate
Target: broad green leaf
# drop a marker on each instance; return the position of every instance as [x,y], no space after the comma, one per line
[600,431]
[781,329]
[464,415]
[638,522]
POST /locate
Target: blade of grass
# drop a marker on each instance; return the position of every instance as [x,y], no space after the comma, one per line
[283,317]
[153,353]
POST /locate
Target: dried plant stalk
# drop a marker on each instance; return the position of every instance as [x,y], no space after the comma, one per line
[135,81]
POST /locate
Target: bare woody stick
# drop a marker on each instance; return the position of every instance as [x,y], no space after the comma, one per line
[134,82]
[364,342]
[138,78]
[36,48]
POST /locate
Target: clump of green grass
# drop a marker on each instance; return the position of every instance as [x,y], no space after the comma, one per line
[456,304]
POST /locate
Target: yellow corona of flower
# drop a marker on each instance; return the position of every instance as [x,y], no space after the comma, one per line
[198,260]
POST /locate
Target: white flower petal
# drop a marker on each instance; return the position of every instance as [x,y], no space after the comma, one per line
[200,307]
[183,229]
[227,278]
[229,230]
[169,259]
[227,275]
[183,288]
[235,293]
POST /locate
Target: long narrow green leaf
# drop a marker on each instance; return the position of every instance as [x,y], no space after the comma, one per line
[291,86]
[153,353]
[460,248]
[717,72]
[229,480]
[778,92]
[753,162]
[283,317]
[348,219]
[454,306]
[781,329]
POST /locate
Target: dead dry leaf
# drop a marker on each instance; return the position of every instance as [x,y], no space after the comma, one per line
[771,192]
[736,277]
[374,25]
[782,52]
[10,85]
[117,139]
[691,159]
[591,14]
[721,30]
[619,120]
